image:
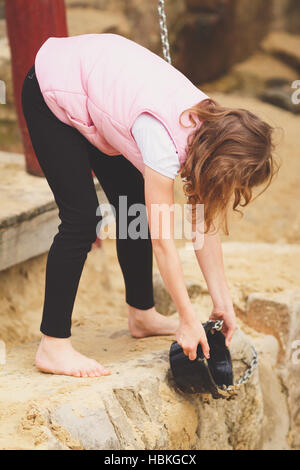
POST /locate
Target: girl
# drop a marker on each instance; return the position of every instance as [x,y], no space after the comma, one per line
[102,102]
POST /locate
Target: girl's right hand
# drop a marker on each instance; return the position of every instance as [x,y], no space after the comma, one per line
[190,333]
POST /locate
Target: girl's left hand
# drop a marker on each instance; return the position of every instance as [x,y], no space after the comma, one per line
[229,319]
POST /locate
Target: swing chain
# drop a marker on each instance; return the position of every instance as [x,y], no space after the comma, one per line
[164,30]
[251,367]
[218,325]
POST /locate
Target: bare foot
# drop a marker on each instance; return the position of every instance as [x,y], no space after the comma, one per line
[57,356]
[149,322]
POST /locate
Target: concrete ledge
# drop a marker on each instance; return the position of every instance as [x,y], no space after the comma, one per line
[28,212]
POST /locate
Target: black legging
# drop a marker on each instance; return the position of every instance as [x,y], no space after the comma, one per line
[67,159]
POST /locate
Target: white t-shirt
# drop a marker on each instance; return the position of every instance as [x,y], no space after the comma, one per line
[155,144]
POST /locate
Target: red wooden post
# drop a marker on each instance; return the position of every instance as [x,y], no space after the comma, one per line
[29,23]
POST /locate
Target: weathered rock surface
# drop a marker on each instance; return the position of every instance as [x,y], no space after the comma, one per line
[278,314]
[137,19]
[162,299]
[86,20]
[138,399]
[260,71]
[276,422]
[268,74]
[137,407]
[281,96]
[286,15]
[233,31]
[285,46]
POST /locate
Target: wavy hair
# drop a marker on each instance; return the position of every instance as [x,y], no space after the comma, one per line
[229,154]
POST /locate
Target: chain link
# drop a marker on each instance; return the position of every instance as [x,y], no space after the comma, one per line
[218,325]
[164,30]
[251,367]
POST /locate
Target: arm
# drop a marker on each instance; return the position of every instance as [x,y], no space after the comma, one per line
[158,194]
[210,259]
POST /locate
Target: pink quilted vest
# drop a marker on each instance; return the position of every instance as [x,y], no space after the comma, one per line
[100,83]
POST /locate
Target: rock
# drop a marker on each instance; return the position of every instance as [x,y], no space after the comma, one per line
[276,422]
[256,73]
[88,20]
[138,406]
[281,97]
[274,313]
[254,76]
[92,428]
[279,314]
[284,46]
[233,31]
[5,67]
[50,442]
[2,353]
[162,299]
[228,83]
[286,15]
[138,20]
[144,411]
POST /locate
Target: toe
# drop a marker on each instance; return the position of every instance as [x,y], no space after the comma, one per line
[98,368]
[83,373]
[98,371]
[102,370]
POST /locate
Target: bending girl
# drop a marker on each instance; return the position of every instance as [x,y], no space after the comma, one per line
[102,102]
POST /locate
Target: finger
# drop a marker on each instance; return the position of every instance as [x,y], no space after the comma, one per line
[187,350]
[205,348]
[224,329]
[229,336]
[192,355]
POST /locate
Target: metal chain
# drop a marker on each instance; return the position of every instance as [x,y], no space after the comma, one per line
[251,367]
[218,325]
[164,30]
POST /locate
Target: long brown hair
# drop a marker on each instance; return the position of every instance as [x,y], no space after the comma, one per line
[229,154]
